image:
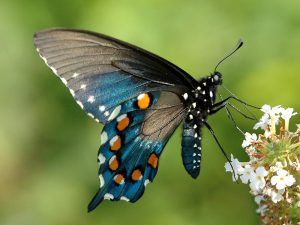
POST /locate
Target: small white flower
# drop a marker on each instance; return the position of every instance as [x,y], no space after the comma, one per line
[257,181]
[274,114]
[283,179]
[277,196]
[274,111]
[236,165]
[278,166]
[263,123]
[266,108]
[246,174]
[258,199]
[261,210]
[267,191]
[286,114]
[249,138]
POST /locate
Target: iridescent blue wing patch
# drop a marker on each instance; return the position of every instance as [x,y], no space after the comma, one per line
[132,143]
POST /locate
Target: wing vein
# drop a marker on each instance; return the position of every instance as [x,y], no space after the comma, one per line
[80,40]
[160,128]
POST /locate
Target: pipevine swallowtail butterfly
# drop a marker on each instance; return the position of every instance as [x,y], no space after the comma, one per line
[140,98]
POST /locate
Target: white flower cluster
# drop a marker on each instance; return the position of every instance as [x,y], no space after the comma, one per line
[273,164]
[262,182]
[272,116]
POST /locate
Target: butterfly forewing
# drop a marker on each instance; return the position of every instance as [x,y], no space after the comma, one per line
[92,65]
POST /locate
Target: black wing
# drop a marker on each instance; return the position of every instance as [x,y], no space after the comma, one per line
[102,72]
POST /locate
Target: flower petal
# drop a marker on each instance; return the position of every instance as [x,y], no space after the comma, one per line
[274,180]
[290,180]
[258,199]
[228,167]
[261,171]
[266,108]
[262,184]
[253,185]
[280,185]
[282,173]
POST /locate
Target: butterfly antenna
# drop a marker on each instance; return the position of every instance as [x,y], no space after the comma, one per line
[238,45]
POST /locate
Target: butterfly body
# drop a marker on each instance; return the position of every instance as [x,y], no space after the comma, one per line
[139,97]
[201,103]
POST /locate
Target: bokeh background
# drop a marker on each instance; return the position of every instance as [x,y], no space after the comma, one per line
[48,146]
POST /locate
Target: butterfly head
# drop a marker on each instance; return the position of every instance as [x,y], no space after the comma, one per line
[216,78]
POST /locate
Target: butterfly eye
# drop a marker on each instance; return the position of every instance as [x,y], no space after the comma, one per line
[216,78]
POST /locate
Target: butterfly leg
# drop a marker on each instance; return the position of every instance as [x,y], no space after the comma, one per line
[220,146]
[223,104]
[230,116]
[245,104]
[237,99]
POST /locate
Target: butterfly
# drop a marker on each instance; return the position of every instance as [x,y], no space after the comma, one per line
[140,98]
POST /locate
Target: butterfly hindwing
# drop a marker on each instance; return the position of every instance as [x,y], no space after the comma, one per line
[132,143]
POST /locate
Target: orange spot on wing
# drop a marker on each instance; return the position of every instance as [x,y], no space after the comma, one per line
[123,124]
[143,101]
[153,160]
[136,175]
[115,143]
[119,179]
[114,163]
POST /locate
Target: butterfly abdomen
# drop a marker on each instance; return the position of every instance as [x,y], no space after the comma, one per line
[191,147]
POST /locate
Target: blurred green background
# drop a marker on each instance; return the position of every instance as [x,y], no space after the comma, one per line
[48,146]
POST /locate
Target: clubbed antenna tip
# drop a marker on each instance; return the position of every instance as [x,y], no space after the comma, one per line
[238,45]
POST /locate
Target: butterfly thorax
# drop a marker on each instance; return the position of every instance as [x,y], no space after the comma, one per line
[203,98]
